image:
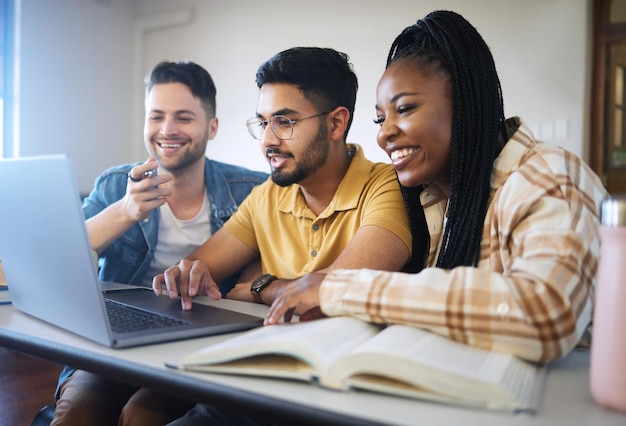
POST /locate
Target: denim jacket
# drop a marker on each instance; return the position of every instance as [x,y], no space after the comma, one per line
[127,260]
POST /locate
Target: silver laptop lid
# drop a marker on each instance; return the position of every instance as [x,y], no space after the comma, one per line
[44,246]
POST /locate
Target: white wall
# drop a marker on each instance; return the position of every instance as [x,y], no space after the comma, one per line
[539,47]
[75,82]
[85,85]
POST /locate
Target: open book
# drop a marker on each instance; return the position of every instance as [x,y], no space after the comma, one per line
[5,298]
[3,280]
[345,353]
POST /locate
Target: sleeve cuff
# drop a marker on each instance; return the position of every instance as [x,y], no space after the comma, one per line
[332,292]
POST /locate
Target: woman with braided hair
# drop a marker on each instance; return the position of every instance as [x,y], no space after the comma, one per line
[505,242]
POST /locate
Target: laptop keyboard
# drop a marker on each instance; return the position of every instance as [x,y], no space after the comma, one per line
[126,318]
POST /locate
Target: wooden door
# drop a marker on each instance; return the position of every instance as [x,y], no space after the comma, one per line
[608,109]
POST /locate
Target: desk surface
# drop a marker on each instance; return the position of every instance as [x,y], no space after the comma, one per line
[567,399]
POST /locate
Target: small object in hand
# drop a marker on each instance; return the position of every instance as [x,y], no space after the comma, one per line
[149,173]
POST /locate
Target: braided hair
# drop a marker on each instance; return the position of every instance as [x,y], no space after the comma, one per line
[447,41]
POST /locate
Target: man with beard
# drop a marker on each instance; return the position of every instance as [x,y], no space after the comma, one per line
[143,217]
[326,206]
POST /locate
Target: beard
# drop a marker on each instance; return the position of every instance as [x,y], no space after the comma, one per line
[312,160]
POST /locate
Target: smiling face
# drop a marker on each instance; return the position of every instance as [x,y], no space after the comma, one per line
[414,110]
[292,160]
[176,128]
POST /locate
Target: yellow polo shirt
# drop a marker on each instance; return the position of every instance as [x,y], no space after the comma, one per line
[292,241]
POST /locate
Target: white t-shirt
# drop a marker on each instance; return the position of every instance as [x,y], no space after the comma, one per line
[178,238]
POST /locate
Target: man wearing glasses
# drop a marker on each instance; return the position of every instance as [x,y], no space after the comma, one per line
[326,206]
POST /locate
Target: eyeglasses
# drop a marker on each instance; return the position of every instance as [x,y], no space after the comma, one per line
[281,125]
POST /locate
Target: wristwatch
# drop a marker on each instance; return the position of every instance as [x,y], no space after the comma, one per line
[259,284]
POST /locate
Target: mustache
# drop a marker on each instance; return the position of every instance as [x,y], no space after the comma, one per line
[175,139]
[270,151]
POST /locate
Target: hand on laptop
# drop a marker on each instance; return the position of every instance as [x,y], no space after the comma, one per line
[189,278]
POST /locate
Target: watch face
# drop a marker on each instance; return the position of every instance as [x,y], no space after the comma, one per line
[261,282]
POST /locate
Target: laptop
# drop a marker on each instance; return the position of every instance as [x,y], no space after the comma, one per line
[51,273]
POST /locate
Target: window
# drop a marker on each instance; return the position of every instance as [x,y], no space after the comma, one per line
[7,73]
[2,73]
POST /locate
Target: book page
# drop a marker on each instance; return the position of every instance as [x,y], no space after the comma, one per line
[269,365]
[5,297]
[3,280]
[437,365]
[312,346]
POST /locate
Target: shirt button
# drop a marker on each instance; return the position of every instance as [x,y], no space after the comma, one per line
[316,227]
[314,253]
[503,308]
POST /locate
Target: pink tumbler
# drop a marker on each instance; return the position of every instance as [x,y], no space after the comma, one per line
[608,344]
